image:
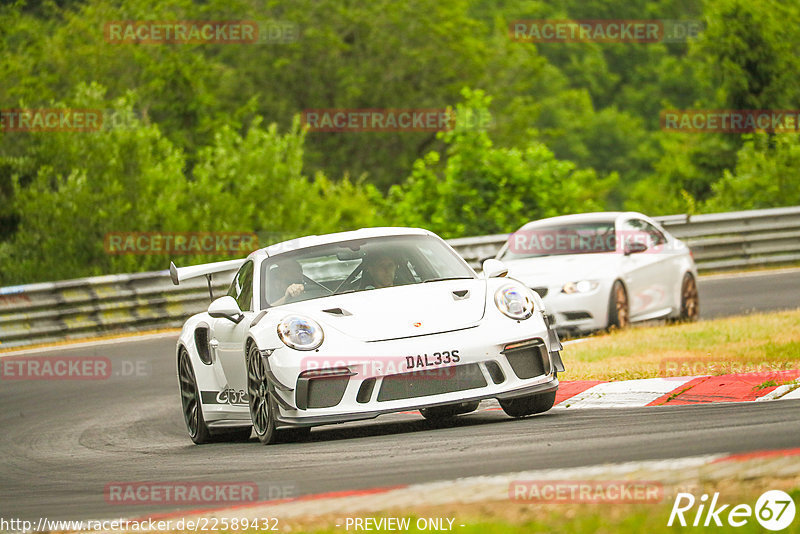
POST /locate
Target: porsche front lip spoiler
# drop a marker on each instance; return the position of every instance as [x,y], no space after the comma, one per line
[547,387]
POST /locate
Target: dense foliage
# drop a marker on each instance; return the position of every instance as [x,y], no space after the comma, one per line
[208,136]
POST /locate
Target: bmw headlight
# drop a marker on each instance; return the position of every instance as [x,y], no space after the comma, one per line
[514,301]
[300,333]
[581,286]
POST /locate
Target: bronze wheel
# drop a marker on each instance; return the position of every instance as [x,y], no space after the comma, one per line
[690,299]
[618,308]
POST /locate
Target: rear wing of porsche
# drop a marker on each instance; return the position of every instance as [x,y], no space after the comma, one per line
[179,274]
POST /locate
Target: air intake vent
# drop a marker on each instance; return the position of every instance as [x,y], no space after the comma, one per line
[431,382]
[339,312]
[495,372]
[365,391]
[577,316]
[528,359]
[201,342]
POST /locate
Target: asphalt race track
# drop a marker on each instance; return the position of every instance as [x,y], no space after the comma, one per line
[743,294]
[63,441]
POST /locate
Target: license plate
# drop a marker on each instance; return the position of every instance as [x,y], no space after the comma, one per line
[432,359]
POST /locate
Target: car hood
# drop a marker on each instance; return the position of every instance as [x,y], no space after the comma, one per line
[399,312]
[556,270]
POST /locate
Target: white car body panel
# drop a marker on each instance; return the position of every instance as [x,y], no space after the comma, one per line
[399,308]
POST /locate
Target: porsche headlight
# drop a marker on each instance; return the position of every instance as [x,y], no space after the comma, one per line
[514,301]
[581,286]
[300,333]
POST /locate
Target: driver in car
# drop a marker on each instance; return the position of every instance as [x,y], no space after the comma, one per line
[379,271]
[287,280]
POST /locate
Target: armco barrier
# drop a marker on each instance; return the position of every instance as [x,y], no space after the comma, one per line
[55,311]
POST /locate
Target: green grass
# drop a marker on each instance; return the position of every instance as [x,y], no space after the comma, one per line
[767,384]
[762,342]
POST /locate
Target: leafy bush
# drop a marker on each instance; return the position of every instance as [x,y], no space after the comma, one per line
[477,188]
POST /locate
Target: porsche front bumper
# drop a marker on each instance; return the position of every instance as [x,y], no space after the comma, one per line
[519,364]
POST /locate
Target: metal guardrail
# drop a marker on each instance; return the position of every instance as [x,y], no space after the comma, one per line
[56,311]
[73,309]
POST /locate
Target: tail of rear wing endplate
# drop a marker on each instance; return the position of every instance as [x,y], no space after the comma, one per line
[179,274]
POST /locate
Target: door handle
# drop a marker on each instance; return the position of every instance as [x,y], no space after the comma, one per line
[213,344]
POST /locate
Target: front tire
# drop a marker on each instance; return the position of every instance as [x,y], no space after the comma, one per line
[190,401]
[618,307]
[262,411]
[522,406]
[438,413]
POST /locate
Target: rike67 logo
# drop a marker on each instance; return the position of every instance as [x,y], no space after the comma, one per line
[774,510]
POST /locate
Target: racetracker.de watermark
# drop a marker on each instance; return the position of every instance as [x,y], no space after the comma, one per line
[730,120]
[51,120]
[603,31]
[194,493]
[586,491]
[679,367]
[178,493]
[71,368]
[564,241]
[149,524]
[180,242]
[67,120]
[200,32]
[438,365]
[393,120]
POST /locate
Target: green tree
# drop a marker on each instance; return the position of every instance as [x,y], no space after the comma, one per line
[744,59]
[129,177]
[255,182]
[765,175]
[478,189]
[84,185]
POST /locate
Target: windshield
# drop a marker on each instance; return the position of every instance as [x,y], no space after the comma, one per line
[559,240]
[358,265]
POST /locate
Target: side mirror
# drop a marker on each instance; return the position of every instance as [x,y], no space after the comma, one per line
[226,307]
[634,247]
[494,269]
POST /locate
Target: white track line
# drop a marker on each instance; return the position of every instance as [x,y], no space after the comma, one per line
[84,344]
[793,394]
[746,274]
[778,392]
[626,393]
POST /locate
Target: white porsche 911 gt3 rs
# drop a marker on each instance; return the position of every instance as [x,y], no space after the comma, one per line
[598,270]
[348,326]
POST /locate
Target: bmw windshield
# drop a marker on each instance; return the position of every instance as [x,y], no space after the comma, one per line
[560,240]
